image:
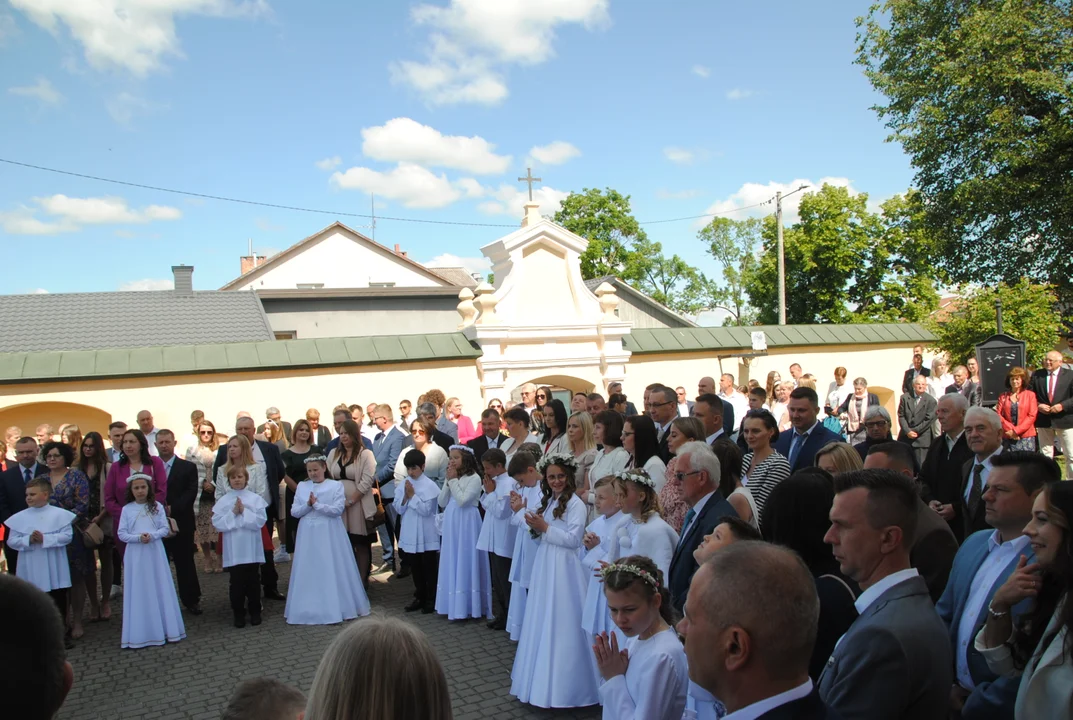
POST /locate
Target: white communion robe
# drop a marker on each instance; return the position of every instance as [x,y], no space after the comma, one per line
[242,533]
[151,614]
[653,539]
[554,666]
[595,617]
[655,684]
[325,587]
[43,564]
[419,533]
[521,568]
[464,585]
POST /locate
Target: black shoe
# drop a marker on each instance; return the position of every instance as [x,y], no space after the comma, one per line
[194,610]
[497,624]
[255,620]
[240,620]
[68,641]
[428,609]
[404,572]
[414,606]
[275,595]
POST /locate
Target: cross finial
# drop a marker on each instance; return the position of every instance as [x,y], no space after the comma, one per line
[529,179]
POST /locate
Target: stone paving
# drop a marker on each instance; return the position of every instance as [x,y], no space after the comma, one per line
[193,679]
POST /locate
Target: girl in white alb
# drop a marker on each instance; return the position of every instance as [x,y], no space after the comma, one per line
[151,613]
[645,533]
[522,468]
[652,683]
[464,582]
[596,618]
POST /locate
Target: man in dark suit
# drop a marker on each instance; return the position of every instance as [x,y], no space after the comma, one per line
[698,468]
[933,545]
[427,411]
[272,414]
[709,410]
[940,475]
[895,660]
[685,405]
[663,409]
[321,435]
[490,437]
[914,372]
[763,655]
[13,488]
[387,447]
[991,556]
[983,434]
[964,386]
[807,434]
[1053,385]
[267,453]
[182,491]
[916,417]
[706,386]
[616,387]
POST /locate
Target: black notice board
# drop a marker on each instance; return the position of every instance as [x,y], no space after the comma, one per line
[996,356]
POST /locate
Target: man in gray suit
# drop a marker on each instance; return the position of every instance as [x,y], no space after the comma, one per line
[895,661]
[916,415]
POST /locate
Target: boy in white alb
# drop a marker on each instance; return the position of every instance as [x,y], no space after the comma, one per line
[419,538]
[239,516]
[497,532]
[41,534]
[523,468]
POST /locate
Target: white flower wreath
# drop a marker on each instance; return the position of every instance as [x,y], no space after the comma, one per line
[561,459]
[637,475]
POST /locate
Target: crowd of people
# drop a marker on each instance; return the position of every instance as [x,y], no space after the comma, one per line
[751,550]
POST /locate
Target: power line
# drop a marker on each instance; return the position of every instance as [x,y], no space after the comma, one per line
[277,206]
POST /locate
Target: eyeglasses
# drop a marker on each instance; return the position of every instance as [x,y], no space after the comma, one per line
[497,407]
[627,434]
[680,476]
[205,432]
[53,456]
[656,404]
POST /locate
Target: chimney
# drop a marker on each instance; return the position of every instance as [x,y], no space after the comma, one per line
[399,251]
[184,279]
[249,262]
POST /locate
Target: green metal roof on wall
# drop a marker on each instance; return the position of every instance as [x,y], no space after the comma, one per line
[232,357]
[734,339]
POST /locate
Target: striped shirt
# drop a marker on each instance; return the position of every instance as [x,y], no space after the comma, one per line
[765,476]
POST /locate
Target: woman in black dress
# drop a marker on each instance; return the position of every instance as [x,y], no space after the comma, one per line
[294,465]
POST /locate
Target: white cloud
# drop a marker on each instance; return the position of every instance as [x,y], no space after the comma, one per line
[42,90]
[147,284]
[405,140]
[131,35]
[509,200]
[472,264]
[676,194]
[472,42]
[412,185]
[8,28]
[555,153]
[124,106]
[679,156]
[739,94]
[23,222]
[69,214]
[328,164]
[39,291]
[702,71]
[751,194]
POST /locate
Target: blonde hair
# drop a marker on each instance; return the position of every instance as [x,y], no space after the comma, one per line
[845,458]
[274,433]
[587,440]
[806,381]
[247,454]
[379,667]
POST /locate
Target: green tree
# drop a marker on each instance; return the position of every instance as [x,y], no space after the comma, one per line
[1028,313]
[979,93]
[606,221]
[844,264]
[733,244]
[668,280]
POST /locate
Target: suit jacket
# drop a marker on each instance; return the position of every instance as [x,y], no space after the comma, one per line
[663,448]
[806,457]
[689,409]
[480,445]
[631,409]
[810,707]
[918,417]
[970,391]
[728,415]
[13,488]
[182,491]
[933,551]
[274,469]
[940,478]
[324,436]
[683,564]
[386,453]
[910,375]
[1063,393]
[994,696]
[973,523]
[894,662]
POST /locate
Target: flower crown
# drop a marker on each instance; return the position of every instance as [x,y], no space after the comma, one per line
[140,476]
[561,459]
[629,570]
[636,475]
[463,448]
[315,458]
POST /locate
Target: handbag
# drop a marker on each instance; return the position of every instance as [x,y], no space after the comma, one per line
[173,527]
[92,536]
[379,516]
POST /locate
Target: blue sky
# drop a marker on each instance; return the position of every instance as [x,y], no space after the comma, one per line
[689,107]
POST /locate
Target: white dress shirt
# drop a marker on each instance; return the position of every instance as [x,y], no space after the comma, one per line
[872,594]
[714,436]
[999,555]
[150,437]
[983,477]
[738,401]
[751,712]
[683,409]
[952,441]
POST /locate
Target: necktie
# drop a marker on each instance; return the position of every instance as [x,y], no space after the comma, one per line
[379,440]
[975,492]
[795,447]
[27,474]
[685,525]
[1050,386]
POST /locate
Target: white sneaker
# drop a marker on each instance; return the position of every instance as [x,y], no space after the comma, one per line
[281,555]
[117,591]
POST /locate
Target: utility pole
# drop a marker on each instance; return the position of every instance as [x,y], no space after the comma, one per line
[372,206]
[782,259]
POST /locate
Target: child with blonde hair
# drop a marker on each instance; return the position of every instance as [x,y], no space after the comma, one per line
[239,516]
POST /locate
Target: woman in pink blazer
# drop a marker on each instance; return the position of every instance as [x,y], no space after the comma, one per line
[134,458]
[1017,408]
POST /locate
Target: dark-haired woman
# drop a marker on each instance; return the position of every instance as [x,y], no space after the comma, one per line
[555,418]
[763,467]
[133,457]
[1039,647]
[797,516]
[612,457]
[70,491]
[639,439]
[730,486]
[92,462]
[1017,407]
[354,465]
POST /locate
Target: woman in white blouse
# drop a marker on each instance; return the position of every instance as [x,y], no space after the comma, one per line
[435,456]
[639,440]
[240,453]
[554,440]
[940,379]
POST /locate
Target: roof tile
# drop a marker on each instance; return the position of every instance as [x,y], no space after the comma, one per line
[655,340]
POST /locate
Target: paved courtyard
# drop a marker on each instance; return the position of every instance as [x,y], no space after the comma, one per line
[193,679]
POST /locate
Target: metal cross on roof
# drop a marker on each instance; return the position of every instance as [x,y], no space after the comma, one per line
[529,179]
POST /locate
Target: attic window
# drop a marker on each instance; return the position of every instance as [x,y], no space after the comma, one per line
[381,284]
[310,286]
